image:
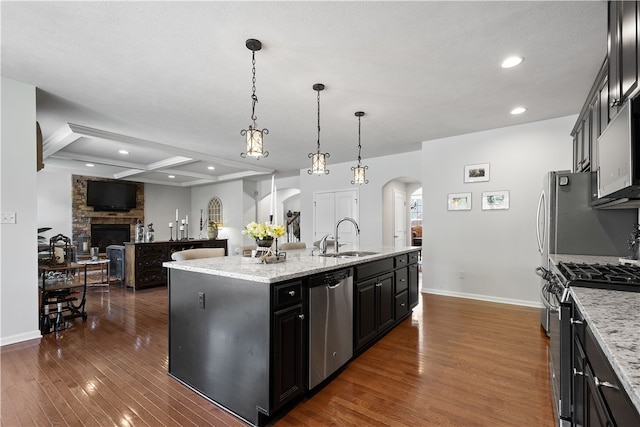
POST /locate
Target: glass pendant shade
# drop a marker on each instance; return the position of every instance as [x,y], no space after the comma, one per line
[319,163]
[359,175]
[254,142]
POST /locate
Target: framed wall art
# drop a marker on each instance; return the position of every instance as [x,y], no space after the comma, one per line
[476,173]
[459,202]
[494,200]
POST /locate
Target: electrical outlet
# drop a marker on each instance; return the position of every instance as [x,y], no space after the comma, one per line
[201,300]
[8,218]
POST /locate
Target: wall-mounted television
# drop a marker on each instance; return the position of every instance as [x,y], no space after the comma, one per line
[111,196]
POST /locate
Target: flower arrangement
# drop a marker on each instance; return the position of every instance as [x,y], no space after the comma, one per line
[264,230]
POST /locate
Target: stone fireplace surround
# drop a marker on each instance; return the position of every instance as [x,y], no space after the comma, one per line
[83,216]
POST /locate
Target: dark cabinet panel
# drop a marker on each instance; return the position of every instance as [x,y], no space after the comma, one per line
[374,308]
[366,326]
[414,290]
[386,302]
[628,22]
[288,342]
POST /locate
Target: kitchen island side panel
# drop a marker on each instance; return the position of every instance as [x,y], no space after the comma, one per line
[221,350]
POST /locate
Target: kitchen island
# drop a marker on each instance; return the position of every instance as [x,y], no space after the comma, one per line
[238,328]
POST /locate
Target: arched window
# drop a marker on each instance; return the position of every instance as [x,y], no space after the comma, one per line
[214,211]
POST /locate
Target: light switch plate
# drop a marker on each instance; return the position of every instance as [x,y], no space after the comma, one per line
[8,218]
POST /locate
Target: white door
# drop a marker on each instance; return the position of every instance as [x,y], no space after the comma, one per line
[346,203]
[323,214]
[399,218]
[329,208]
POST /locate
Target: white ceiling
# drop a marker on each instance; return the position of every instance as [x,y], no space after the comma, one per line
[170,82]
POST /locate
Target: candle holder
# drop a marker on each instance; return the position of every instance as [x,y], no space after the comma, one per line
[171,233]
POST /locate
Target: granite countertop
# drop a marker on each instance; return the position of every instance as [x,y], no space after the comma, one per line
[299,263]
[614,318]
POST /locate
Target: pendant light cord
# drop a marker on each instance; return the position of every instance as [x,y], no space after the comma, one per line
[254,98]
[318,122]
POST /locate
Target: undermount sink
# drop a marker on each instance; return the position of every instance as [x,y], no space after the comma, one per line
[348,254]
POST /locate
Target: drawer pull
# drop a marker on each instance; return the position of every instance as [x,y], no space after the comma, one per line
[378,285]
[403,280]
[402,304]
[576,322]
[576,372]
[301,316]
[604,383]
[292,293]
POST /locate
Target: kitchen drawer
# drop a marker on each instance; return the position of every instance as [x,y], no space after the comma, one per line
[373,268]
[401,261]
[402,304]
[620,407]
[287,293]
[413,258]
[401,280]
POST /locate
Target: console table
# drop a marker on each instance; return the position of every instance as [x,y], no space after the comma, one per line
[143,261]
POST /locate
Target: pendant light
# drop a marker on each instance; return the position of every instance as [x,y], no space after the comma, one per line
[359,171]
[254,136]
[318,159]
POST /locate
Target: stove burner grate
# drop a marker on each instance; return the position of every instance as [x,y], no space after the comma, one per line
[605,273]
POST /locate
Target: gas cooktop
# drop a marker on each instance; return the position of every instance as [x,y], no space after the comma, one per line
[607,276]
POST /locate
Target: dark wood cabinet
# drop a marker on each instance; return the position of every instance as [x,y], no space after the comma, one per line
[598,397]
[414,291]
[288,343]
[615,84]
[143,261]
[374,308]
[623,52]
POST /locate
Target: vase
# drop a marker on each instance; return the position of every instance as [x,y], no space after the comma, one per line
[264,243]
[212,232]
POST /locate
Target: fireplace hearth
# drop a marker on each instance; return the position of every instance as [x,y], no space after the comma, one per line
[103,235]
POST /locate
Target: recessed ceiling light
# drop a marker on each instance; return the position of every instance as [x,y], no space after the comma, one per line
[172,176]
[512,61]
[211,168]
[90,165]
[123,152]
[518,110]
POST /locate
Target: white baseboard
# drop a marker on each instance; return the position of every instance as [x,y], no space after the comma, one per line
[481,297]
[20,338]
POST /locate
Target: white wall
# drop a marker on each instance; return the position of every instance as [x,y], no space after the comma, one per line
[160,204]
[54,202]
[381,171]
[489,254]
[230,194]
[18,242]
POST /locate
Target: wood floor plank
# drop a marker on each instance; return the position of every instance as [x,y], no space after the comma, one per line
[454,362]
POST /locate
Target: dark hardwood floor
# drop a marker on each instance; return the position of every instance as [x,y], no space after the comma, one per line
[455,362]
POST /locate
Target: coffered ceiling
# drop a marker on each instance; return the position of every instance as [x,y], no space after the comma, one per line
[170,82]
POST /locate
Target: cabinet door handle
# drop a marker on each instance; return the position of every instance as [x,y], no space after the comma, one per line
[292,293]
[614,103]
[403,280]
[301,316]
[378,285]
[576,372]
[402,305]
[604,383]
[576,322]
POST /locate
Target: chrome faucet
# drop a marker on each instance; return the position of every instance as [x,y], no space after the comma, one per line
[353,221]
[323,244]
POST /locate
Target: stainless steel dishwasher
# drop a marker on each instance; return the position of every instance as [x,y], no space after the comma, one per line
[330,323]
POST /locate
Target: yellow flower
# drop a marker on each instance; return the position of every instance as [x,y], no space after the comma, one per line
[263,230]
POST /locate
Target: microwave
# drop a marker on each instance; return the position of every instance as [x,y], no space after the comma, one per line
[618,153]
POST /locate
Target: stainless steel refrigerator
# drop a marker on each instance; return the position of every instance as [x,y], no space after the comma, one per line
[567,224]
